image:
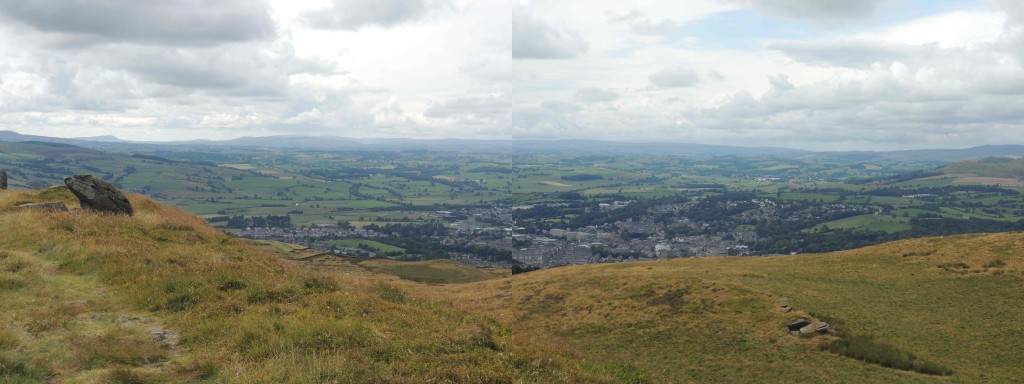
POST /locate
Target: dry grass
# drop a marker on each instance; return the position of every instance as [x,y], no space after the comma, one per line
[80,293]
[717,320]
[243,314]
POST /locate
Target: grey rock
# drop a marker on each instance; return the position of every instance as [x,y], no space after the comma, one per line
[48,206]
[796,325]
[98,195]
[164,336]
[821,328]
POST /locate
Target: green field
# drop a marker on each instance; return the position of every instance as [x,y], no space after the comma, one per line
[883,223]
[355,243]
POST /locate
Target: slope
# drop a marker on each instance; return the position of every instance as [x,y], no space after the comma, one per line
[162,297]
[938,309]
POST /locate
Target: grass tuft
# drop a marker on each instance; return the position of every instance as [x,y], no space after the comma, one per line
[116,347]
[389,292]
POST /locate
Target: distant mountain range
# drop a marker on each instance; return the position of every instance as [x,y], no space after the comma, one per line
[577,147]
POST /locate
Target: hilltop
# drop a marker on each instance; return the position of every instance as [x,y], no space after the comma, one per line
[163,297]
[992,170]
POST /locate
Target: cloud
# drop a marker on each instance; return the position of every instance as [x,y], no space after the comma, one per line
[780,83]
[814,10]
[533,38]
[175,23]
[487,107]
[1012,37]
[493,68]
[641,24]
[854,53]
[595,95]
[543,120]
[239,70]
[355,14]
[674,77]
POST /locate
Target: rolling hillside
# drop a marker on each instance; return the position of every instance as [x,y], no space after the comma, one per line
[162,297]
[993,170]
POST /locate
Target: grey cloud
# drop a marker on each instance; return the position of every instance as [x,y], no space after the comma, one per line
[181,23]
[595,95]
[489,107]
[716,75]
[232,70]
[532,38]
[544,119]
[814,10]
[355,14]
[493,68]
[780,82]
[854,53]
[674,77]
[641,24]
[60,85]
[1012,38]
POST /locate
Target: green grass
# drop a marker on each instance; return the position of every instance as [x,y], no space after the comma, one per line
[431,272]
[893,309]
[92,287]
[868,222]
[355,243]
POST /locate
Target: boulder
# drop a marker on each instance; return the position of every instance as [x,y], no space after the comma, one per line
[821,328]
[47,206]
[798,324]
[98,195]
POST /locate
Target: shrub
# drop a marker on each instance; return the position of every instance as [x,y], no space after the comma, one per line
[319,283]
[271,296]
[231,285]
[197,370]
[870,350]
[995,264]
[389,293]
[122,375]
[181,302]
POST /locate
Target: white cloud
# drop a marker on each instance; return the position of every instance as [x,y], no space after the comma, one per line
[641,71]
[533,38]
[675,77]
[595,95]
[192,22]
[355,14]
[815,10]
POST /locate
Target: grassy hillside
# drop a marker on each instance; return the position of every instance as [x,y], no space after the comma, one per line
[162,297]
[995,170]
[946,306]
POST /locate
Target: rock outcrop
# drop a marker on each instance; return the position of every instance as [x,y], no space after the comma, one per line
[98,195]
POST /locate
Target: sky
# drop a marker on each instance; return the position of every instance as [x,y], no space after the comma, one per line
[808,74]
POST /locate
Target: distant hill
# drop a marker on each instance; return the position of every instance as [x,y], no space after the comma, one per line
[516,146]
[100,142]
[566,147]
[1005,168]
[1007,171]
[102,139]
[932,155]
